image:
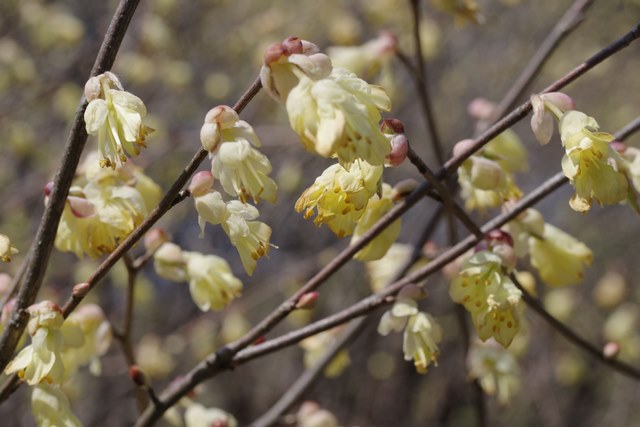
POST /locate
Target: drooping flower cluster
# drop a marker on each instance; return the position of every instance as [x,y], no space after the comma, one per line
[486,178]
[484,288]
[242,170]
[340,196]
[51,407]
[595,169]
[6,249]
[115,116]
[237,219]
[211,283]
[559,258]
[495,369]
[103,207]
[421,331]
[334,113]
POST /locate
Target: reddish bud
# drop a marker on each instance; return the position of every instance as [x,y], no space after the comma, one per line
[499,236]
[292,45]
[259,340]
[48,188]
[392,126]
[619,146]
[399,150]
[155,238]
[308,301]
[137,376]
[481,109]
[273,53]
[80,290]
[611,350]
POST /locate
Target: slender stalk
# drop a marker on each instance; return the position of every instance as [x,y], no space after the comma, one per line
[45,236]
[569,21]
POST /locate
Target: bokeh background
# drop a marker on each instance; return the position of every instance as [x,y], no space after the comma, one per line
[183,58]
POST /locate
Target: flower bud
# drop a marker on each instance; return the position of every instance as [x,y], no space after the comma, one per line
[308,301]
[273,53]
[292,45]
[155,238]
[223,115]
[611,350]
[610,290]
[92,89]
[412,291]
[497,236]
[81,207]
[486,174]
[559,100]
[137,376]
[391,126]
[399,150]
[80,290]
[462,147]
[481,109]
[201,183]
[48,188]
[403,188]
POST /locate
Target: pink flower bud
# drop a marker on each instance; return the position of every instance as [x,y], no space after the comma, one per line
[155,238]
[496,236]
[611,350]
[462,147]
[292,45]
[223,115]
[309,48]
[618,146]
[80,290]
[560,100]
[391,126]
[273,53]
[308,301]
[387,42]
[259,340]
[81,207]
[399,150]
[481,109]
[201,183]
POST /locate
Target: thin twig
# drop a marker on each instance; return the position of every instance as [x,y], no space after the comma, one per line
[628,130]
[573,337]
[569,21]
[302,384]
[45,236]
[420,79]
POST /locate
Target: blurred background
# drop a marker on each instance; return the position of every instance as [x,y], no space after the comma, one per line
[183,58]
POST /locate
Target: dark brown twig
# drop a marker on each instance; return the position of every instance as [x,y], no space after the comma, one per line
[43,241]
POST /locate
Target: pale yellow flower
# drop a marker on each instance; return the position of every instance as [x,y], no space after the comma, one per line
[591,165]
[376,209]
[51,407]
[197,415]
[97,334]
[367,59]
[559,258]
[421,337]
[42,359]
[338,116]
[339,196]
[115,116]
[495,368]
[211,282]
[487,292]
[6,249]
[383,270]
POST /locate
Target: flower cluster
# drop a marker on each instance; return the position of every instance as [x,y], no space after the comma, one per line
[595,169]
[237,219]
[242,170]
[421,331]
[211,283]
[115,116]
[484,288]
[334,113]
[103,207]
[486,178]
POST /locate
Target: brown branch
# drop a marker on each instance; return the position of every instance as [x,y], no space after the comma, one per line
[420,79]
[45,236]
